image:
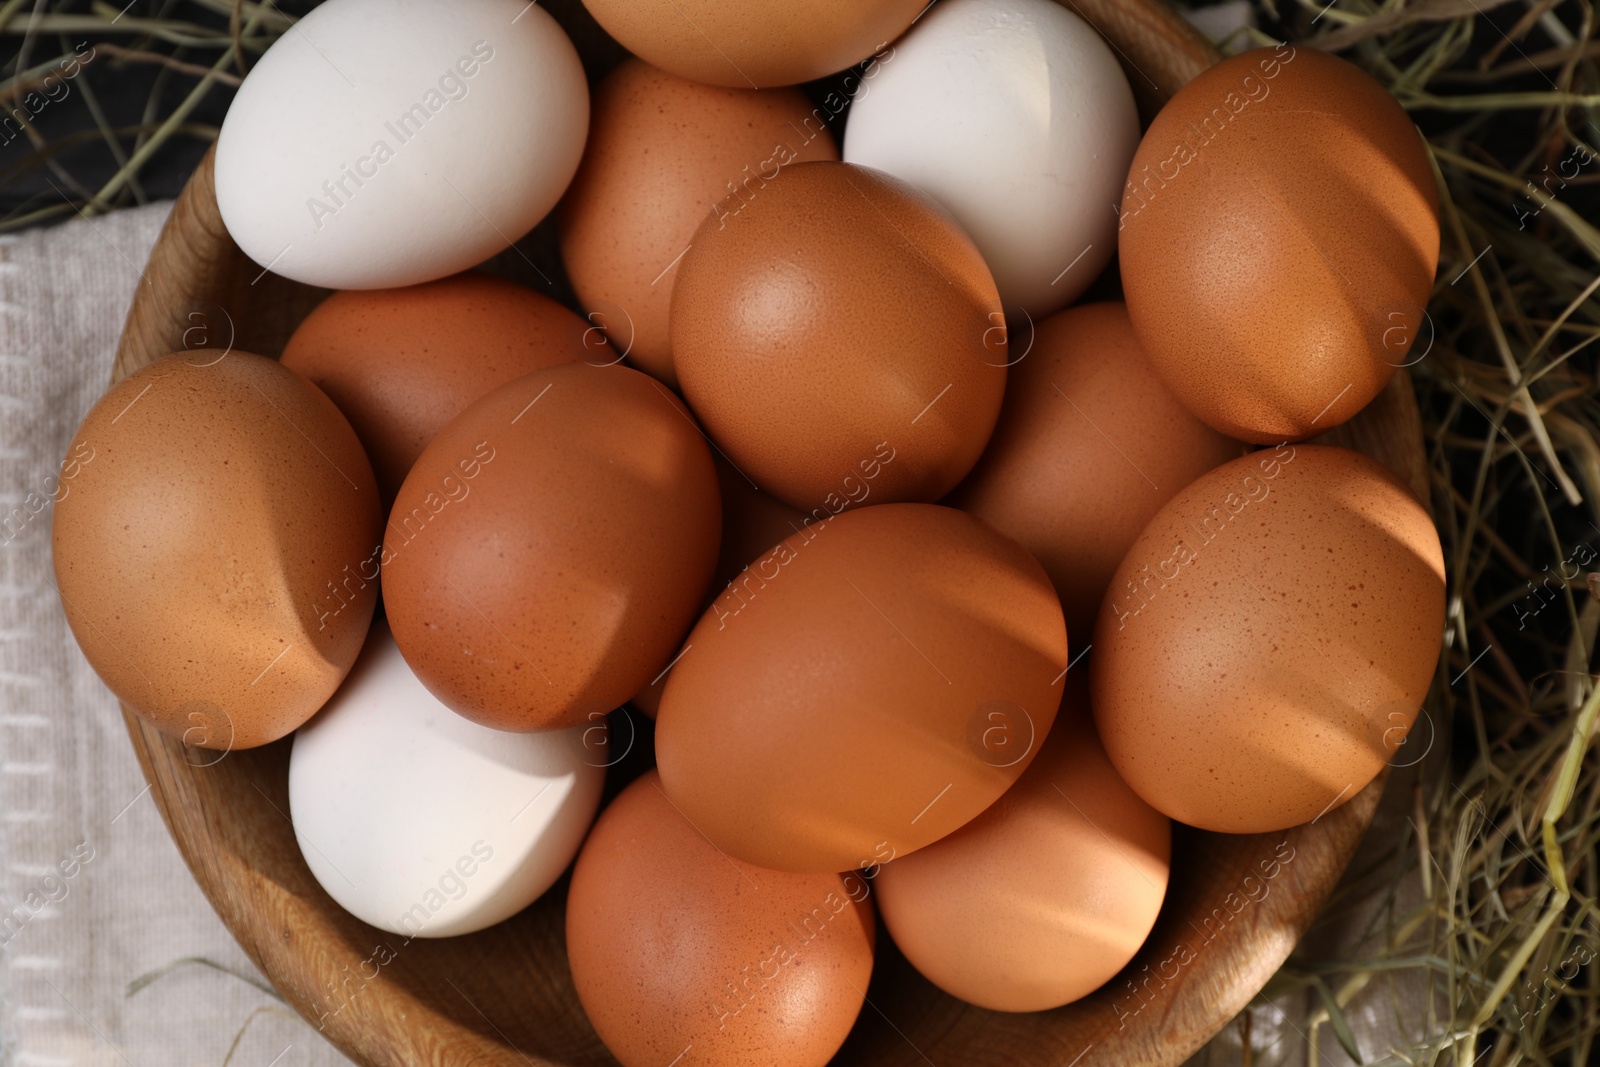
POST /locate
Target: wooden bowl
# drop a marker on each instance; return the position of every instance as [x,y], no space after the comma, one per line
[505,995]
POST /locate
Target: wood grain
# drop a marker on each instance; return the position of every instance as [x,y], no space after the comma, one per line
[505,996]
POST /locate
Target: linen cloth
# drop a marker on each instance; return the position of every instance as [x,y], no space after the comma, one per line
[72,798]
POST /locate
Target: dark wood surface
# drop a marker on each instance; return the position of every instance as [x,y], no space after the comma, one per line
[505,996]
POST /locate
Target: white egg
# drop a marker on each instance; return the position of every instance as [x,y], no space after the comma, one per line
[381,143]
[423,823]
[1015,116]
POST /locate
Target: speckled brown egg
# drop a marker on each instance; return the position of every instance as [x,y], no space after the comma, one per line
[1047,894]
[663,155]
[551,545]
[1278,238]
[218,554]
[869,686]
[401,363]
[1267,642]
[754,46]
[1089,445]
[838,329]
[683,956]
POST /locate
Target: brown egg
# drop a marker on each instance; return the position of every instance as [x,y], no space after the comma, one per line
[735,43]
[870,685]
[1278,240]
[838,318]
[663,155]
[647,701]
[401,363]
[1267,642]
[551,545]
[217,556]
[1089,445]
[1047,894]
[683,956]
[752,523]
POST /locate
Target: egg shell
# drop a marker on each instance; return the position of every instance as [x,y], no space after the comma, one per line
[1267,642]
[663,154]
[745,46]
[1088,447]
[647,701]
[1045,896]
[679,951]
[217,554]
[1015,116]
[838,704]
[839,316]
[551,545]
[388,142]
[423,824]
[401,363]
[1279,235]
[752,523]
